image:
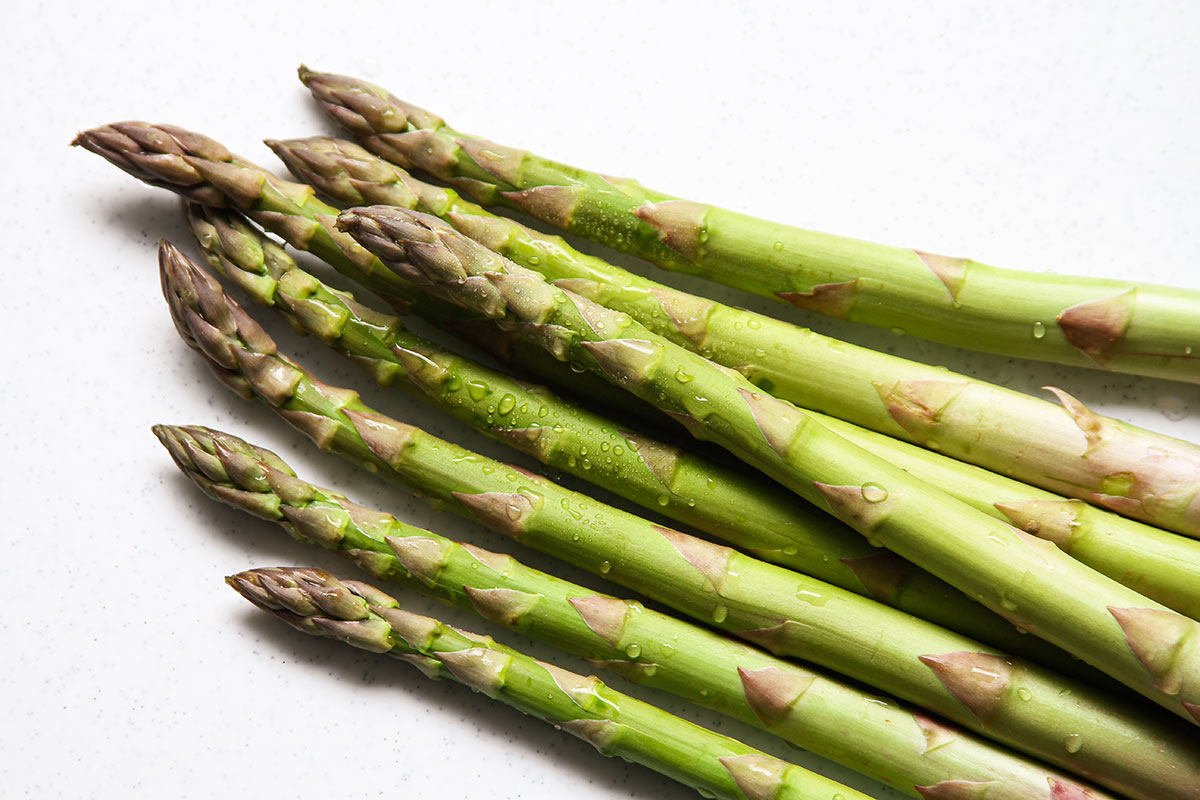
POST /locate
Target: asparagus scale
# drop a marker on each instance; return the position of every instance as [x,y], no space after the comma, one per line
[873,734]
[1041,589]
[316,603]
[1117,325]
[982,689]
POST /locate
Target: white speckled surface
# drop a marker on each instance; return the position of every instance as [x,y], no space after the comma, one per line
[1035,135]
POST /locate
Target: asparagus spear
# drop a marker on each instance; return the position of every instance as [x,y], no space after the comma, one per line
[1077,452]
[786,612]
[616,724]
[1162,566]
[762,518]
[875,735]
[1143,644]
[1116,325]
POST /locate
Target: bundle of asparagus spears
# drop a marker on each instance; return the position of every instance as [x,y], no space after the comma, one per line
[956,589]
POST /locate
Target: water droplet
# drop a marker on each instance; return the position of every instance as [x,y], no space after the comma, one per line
[719,614]
[790,550]
[605,566]
[507,404]
[512,511]
[874,493]
[668,650]
[604,447]
[1073,743]
[760,353]
[754,324]
[533,261]
[478,389]
[577,367]
[898,331]
[1024,694]
[633,651]
[1039,330]
[683,377]
[618,450]
[737,325]
[567,508]
[1187,351]
[575,537]
[779,245]
[1007,603]
[811,597]
[454,384]
[543,411]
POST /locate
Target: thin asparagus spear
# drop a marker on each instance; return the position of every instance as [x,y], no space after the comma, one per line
[875,735]
[1116,325]
[1156,563]
[878,645]
[760,517]
[1143,644]
[616,724]
[1073,452]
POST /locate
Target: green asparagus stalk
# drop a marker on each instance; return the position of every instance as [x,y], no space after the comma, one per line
[1031,582]
[1117,325]
[759,517]
[314,602]
[875,735]
[784,611]
[204,171]
[1158,564]
[1074,452]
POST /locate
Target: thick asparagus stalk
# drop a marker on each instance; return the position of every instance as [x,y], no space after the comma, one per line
[875,735]
[759,517]
[785,611]
[1116,325]
[1162,566]
[1073,452]
[616,724]
[1143,644]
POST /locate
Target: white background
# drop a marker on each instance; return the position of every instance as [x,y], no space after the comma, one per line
[1046,136]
